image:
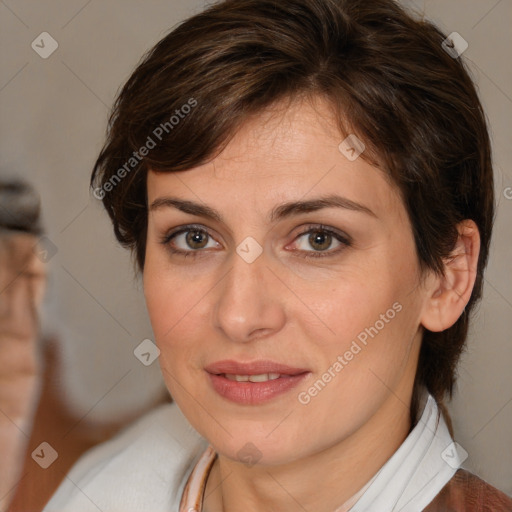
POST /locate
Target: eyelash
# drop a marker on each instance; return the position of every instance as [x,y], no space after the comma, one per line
[344,240]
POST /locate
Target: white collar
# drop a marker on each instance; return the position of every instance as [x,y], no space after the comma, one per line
[417,471]
[407,482]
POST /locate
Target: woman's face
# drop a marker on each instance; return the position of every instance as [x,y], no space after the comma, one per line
[325,297]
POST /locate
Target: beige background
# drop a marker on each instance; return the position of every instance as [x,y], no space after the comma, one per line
[53,115]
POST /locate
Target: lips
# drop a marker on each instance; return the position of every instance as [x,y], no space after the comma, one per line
[253,383]
[255,368]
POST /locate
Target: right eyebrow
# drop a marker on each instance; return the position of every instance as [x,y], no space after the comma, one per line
[185,206]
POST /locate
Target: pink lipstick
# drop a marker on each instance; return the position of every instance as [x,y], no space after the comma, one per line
[253,383]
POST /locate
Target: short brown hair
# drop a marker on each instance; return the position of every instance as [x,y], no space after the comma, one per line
[390,82]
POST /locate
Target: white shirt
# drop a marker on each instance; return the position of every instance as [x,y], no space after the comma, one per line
[148,466]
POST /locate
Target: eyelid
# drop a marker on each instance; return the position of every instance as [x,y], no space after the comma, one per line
[344,239]
[327,229]
[183,229]
[169,235]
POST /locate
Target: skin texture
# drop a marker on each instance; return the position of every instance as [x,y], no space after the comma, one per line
[22,282]
[300,311]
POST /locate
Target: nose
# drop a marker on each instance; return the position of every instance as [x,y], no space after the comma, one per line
[250,301]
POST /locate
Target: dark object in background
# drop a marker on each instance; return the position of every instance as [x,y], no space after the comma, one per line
[22,285]
[20,207]
[20,212]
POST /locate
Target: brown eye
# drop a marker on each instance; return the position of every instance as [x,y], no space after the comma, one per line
[189,241]
[320,240]
[196,239]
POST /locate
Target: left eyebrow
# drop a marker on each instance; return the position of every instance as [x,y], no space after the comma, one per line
[331,201]
[279,212]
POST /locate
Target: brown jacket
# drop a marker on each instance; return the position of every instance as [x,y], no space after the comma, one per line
[465,492]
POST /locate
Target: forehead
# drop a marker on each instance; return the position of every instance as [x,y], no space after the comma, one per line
[285,153]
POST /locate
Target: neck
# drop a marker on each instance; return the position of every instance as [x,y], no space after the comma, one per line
[320,482]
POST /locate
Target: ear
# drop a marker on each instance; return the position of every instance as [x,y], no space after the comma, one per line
[447,296]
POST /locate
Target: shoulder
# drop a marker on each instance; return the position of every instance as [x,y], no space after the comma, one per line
[467,492]
[143,468]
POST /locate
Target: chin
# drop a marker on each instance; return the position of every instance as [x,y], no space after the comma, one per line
[258,449]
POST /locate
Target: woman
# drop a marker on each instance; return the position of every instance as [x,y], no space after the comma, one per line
[307,188]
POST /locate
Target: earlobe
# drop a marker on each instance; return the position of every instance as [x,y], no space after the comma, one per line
[450,293]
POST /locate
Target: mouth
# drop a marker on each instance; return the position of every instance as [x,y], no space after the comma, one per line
[259,368]
[253,383]
[262,377]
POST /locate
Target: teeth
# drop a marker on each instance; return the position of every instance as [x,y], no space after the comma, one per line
[238,378]
[253,378]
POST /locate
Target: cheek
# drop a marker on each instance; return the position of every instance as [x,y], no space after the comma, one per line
[164,307]
[168,295]
[369,338]
[168,318]
[176,307]
[155,298]
[369,319]
[350,303]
